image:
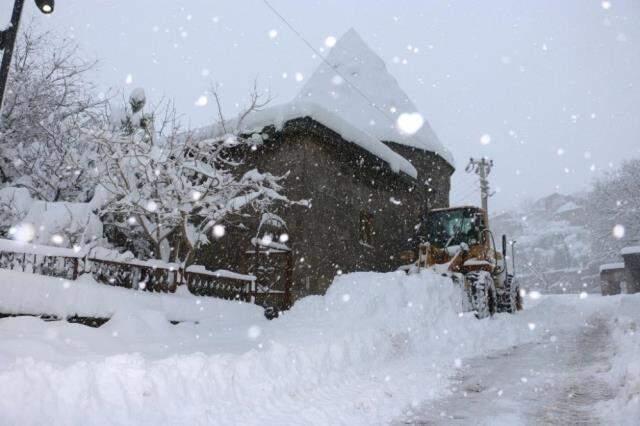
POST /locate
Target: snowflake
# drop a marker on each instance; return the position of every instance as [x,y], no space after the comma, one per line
[202,101]
[409,123]
[254,332]
[618,231]
[219,231]
[330,41]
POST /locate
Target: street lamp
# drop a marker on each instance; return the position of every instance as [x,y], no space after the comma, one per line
[9,35]
[45,6]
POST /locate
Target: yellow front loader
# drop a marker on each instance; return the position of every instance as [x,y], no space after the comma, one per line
[457,242]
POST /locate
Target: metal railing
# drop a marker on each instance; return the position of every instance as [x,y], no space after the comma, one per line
[146,275]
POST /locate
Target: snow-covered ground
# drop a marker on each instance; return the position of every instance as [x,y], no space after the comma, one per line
[582,372]
[376,349]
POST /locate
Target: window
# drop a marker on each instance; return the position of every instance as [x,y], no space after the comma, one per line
[366,227]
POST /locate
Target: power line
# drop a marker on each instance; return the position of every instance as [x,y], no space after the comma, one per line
[460,199]
[335,70]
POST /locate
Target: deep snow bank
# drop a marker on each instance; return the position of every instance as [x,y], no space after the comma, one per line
[23,293]
[624,375]
[374,345]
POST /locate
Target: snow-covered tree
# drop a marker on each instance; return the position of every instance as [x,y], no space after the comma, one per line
[49,100]
[170,190]
[614,211]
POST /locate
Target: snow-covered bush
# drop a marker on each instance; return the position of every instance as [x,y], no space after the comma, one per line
[166,189]
[48,101]
[14,206]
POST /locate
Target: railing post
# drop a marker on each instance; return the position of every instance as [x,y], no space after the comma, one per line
[76,264]
[288,281]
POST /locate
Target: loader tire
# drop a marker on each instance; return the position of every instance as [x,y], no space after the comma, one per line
[482,293]
[510,295]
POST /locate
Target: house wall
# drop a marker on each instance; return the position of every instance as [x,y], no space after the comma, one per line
[340,180]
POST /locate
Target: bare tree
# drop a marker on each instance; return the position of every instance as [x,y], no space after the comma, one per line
[614,211]
[48,102]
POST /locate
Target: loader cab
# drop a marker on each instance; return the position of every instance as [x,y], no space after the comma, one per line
[453,226]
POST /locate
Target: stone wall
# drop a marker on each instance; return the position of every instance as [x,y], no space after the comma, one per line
[341,181]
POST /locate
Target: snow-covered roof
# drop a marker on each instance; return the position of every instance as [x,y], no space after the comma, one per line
[278,115]
[611,266]
[569,207]
[348,97]
[630,250]
[355,84]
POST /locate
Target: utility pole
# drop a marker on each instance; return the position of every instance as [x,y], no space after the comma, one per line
[8,39]
[482,168]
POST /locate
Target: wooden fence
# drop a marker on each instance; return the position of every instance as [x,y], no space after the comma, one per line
[146,275]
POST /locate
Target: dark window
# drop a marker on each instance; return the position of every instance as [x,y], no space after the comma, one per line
[366,227]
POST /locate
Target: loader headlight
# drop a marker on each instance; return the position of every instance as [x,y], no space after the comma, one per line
[408,256]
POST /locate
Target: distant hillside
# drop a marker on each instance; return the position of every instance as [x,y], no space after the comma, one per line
[552,244]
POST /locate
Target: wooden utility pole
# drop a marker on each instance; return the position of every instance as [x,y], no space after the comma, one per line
[482,168]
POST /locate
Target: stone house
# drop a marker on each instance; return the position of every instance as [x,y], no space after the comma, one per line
[366,184]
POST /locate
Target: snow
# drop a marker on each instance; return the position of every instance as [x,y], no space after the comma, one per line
[42,222]
[267,242]
[374,345]
[332,98]
[75,221]
[221,273]
[477,262]
[569,207]
[630,250]
[24,293]
[364,71]
[279,115]
[42,250]
[611,266]
[17,199]
[625,364]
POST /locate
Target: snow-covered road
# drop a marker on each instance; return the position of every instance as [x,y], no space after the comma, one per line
[556,381]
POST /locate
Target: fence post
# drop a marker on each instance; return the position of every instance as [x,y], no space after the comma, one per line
[76,263]
[288,281]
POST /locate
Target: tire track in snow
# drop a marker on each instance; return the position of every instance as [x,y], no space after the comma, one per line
[553,382]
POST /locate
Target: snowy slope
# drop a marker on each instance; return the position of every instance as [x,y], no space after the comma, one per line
[373,346]
[553,252]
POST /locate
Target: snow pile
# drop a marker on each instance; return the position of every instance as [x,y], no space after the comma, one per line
[374,345]
[624,409]
[22,293]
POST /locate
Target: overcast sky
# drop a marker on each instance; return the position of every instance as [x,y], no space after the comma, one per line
[555,84]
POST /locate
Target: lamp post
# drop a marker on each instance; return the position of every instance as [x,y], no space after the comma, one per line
[8,39]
